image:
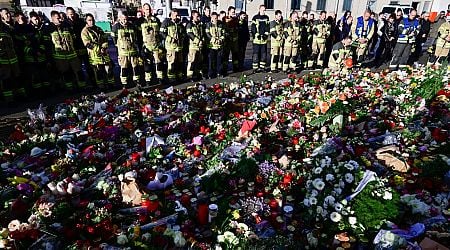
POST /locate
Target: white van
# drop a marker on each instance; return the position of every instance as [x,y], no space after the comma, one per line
[388,9]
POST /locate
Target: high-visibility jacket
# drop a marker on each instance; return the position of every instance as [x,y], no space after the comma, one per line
[260,29]
[276,33]
[196,35]
[173,33]
[363,29]
[77,26]
[62,41]
[95,41]
[7,53]
[38,48]
[321,31]
[408,30]
[292,34]
[125,37]
[339,54]
[443,33]
[216,35]
[150,31]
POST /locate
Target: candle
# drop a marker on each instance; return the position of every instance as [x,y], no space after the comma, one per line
[213,209]
[202,214]
[153,203]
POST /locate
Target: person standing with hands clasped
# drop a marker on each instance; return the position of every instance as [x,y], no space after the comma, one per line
[260,33]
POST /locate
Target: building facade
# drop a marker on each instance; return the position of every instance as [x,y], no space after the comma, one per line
[357,7]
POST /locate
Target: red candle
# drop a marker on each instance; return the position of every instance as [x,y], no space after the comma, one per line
[202,214]
[273,204]
[153,203]
[295,140]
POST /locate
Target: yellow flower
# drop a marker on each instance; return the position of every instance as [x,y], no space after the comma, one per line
[236,214]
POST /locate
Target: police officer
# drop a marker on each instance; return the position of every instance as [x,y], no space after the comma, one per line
[442,44]
[260,32]
[408,29]
[231,23]
[292,41]
[362,32]
[216,37]
[276,42]
[341,52]
[152,51]
[96,43]
[124,35]
[9,63]
[321,32]
[196,35]
[173,32]
[60,34]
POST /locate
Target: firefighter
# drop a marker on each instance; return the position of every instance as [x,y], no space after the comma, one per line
[124,35]
[96,42]
[36,56]
[9,63]
[321,32]
[60,36]
[216,37]
[173,32]
[341,52]
[22,32]
[231,23]
[292,42]
[408,29]
[196,35]
[260,33]
[442,44]
[205,19]
[362,32]
[276,42]
[152,51]
[78,25]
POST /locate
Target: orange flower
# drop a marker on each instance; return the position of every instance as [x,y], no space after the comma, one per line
[342,97]
[332,101]
[324,107]
[317,110]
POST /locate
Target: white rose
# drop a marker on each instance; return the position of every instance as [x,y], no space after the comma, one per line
[352,220]
[387,195]
[122,239]
[318,184]
[313,200]
[14,225]
[335,217]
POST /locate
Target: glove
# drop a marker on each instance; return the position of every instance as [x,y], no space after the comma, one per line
[265,37]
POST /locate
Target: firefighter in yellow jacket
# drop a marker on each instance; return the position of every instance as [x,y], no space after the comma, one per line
[60,36]
[442,44]
[125,37]
[152,53]
[96,43]
[173,32]
[9,64]
[276,42]
[321,32]
[196,34]
[292,42]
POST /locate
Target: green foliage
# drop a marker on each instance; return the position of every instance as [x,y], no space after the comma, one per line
[247,168]
[435,167]
[429,87]
[372,211]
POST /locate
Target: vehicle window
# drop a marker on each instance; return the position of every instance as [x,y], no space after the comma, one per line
[406,11]
[183,12]
[388,10]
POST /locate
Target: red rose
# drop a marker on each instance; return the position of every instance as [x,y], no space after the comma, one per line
[197,153]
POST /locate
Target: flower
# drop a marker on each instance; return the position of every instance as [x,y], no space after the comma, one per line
[313,200]
[387,195]
[329,177]
[14,225]
[335,217]
[318,184]
[349,178]
[338,207]
[122,239]
[352,220]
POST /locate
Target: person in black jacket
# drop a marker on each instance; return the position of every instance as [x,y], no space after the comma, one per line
[388,29]
[260,33]
[243,38]
[425,27]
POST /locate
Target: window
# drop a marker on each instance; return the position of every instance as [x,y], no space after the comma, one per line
[239,4]
[321,4]
[295,4]
[347,5]
[269,4]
